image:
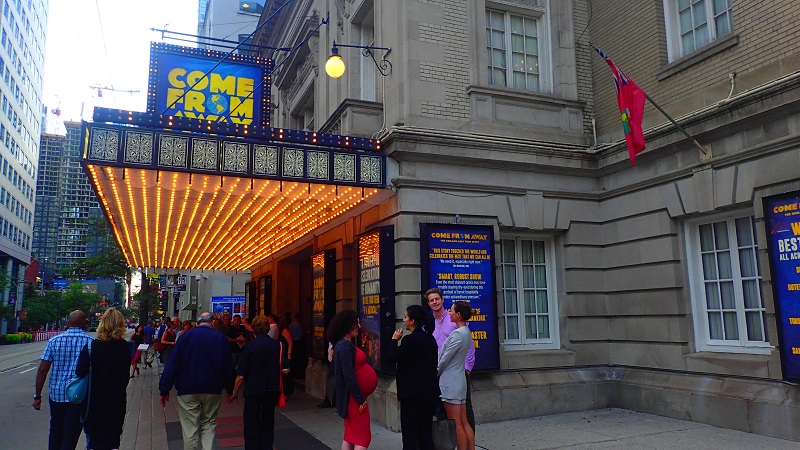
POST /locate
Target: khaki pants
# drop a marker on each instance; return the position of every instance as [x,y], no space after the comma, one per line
[198,416]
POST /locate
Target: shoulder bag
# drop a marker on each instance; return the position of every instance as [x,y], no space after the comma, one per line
[78,387]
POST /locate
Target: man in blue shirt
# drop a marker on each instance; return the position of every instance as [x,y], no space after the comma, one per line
[200,366]
[61,353]
[149,332]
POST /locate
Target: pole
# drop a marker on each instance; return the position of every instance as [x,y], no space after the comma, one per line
[677,125]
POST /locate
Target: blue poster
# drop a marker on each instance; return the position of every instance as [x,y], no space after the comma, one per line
[782,219]
[232,305]
[232,90]
[459,260]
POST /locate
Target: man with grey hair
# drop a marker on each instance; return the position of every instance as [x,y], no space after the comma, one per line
[200,366]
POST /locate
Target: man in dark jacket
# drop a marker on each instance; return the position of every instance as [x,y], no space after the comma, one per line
[200,366]
[417,385]
[260,370]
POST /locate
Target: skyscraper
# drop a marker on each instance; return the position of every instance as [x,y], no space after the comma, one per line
[22,37]
[65,201]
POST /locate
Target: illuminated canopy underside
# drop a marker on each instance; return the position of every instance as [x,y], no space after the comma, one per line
[176,220]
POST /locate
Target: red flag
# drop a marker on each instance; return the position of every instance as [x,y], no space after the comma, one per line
[630,99]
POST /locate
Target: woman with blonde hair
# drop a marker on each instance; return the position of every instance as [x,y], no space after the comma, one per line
[109,363]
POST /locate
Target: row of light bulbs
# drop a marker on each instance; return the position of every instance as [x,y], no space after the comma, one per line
[232,231]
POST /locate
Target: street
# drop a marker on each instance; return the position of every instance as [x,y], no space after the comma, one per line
[23,426]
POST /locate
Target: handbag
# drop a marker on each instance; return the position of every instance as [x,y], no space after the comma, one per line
[78,387]
[281,398]
[444,430]
[159,346]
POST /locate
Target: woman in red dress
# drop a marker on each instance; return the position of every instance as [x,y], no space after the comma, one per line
[355,381]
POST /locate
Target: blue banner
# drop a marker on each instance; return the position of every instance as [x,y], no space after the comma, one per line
[231,90]
[459,260]
[782,220]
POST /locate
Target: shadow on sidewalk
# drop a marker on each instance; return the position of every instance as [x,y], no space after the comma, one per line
[148,426]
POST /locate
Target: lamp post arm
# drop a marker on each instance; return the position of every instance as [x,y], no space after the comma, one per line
[274,68]
[384,66]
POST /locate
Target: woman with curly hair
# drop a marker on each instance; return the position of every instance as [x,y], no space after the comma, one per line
[110,362]
[355,380]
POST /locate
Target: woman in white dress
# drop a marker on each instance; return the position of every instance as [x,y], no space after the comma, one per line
[452,380]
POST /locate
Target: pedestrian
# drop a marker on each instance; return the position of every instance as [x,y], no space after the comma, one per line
[234,331]
[61,354]
[136,340]
[249,333]
[330,382]
[259,370]
[285,338]
[417,384]
[200,366]
[149,332]
[299,354]
[273,327]
[440,326]
[452,382]
[355,380]
[109,365]
[186,326]
[168,338]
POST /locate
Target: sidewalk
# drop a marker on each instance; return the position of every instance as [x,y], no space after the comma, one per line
[303,426]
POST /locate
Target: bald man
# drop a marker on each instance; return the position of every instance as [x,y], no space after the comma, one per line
[61,354]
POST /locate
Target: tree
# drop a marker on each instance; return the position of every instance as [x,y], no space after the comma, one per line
[75,298]
[43,309]
[147,302]
[7,312]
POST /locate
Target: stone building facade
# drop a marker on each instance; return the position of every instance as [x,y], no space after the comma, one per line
[498,113]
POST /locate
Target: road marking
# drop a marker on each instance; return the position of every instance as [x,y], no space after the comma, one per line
[32,368]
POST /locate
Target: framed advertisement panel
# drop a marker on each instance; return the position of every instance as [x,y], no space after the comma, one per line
[375,283]
[459,260]
[323,272]
[782,223]
[232,305]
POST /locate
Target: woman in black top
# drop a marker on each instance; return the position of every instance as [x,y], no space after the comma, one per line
[136,340]
[285,338]
[417,358]
[260,370]
[110,360]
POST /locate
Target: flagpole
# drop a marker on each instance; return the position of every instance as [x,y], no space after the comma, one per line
[677,125]
[661,110]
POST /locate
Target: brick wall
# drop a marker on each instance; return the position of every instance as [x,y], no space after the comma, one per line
[635,38]
[452,73]
[583,60]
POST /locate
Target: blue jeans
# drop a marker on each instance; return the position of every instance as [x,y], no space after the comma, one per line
[65,425]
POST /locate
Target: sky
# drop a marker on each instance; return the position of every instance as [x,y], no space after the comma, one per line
[106,43]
